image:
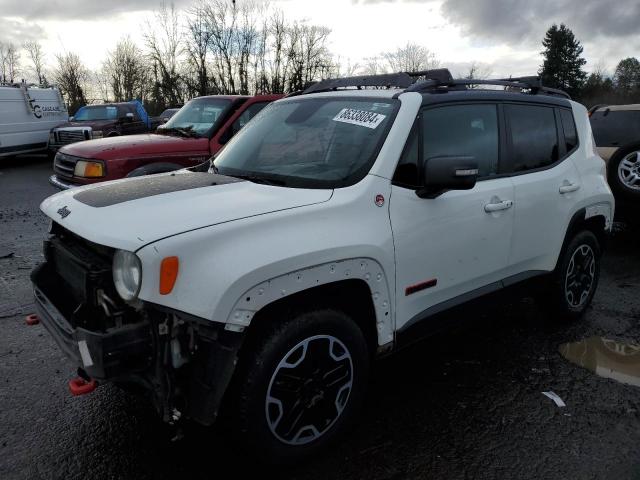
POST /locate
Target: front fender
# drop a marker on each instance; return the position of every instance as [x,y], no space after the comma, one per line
[280,253]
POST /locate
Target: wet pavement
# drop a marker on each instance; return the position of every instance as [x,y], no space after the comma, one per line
[464,404]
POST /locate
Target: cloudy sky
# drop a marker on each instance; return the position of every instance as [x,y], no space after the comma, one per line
[505,35]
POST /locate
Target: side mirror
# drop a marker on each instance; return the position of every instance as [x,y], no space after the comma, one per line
[441,174]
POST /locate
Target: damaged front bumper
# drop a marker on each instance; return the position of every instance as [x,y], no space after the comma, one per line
[183,362]
[104,355]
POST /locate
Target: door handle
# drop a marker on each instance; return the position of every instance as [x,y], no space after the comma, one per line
[568,187]
[496,207]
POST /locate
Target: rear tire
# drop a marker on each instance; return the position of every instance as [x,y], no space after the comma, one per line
[575,280]
[300,386]
[624,174]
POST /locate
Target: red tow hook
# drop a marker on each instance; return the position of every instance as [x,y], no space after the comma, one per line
[32,319]
[80,386]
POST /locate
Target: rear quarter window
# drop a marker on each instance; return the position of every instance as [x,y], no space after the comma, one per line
[615,128]
[533,137]
[569,129]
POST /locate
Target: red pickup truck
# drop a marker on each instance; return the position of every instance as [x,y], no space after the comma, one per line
[195,133]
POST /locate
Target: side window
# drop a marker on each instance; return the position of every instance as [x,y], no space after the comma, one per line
[613,128]
[248,114]
[407,172]
[534,137]
[463,130]
[569,129]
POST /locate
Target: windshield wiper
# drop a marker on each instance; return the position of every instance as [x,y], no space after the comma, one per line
[182,131]
[262,180]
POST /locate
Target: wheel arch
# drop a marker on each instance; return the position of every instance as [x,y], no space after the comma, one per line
[595,219]
[358,287]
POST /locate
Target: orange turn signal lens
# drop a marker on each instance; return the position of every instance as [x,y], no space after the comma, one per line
[85,168]
[168,274]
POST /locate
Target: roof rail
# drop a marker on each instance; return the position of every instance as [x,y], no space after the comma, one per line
[532,84]
[439,78]
[386,80]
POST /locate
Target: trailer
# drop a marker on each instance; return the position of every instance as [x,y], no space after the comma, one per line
[27,115]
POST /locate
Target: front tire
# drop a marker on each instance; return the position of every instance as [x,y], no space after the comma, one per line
[301,385]
[575,279]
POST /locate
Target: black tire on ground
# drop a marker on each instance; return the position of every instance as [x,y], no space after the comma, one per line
[630,155]
[575,279]
[308,372]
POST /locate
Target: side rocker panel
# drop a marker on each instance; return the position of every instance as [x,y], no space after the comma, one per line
[280,287]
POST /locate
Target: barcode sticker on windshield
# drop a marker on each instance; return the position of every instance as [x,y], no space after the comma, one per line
[359,117]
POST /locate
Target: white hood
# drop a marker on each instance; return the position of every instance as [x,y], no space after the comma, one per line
[131,213]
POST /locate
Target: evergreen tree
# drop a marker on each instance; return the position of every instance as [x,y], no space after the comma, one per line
[562,66]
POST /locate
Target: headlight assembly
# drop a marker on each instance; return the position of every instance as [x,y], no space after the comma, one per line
[127,274]
[89,169]
[96,134]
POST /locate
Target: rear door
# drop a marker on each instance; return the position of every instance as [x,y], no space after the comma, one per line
[547,183]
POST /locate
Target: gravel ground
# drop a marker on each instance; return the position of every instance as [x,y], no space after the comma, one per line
[464,404]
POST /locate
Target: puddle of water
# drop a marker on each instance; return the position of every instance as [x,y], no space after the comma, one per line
[606,358]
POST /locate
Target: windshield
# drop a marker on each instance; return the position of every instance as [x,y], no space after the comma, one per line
[169,112]
[198,116]
[313,143]
[98,112]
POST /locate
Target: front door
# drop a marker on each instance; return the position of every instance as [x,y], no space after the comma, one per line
[456,245]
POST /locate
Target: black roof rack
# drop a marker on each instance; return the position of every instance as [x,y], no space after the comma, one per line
[437,79]
[386,80]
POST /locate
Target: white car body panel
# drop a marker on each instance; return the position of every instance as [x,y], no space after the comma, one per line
[451,240]
[25,127]
[134,224]
[274,245]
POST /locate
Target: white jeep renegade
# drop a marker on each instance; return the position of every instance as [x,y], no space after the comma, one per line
[329,231]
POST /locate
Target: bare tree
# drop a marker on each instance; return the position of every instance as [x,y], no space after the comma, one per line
[478,71]
[9,62]
[36,56]
[126,71]
[222,18]
[410,58]
[164,45]
[71,76]
[278,32]
[247,38]
[197,44]
[372,66]
[3,63]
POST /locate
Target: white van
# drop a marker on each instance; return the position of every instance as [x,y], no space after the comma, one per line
[27,115]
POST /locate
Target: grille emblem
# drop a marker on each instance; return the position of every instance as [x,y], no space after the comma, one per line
[64,212]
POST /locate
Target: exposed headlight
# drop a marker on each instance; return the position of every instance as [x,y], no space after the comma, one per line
[89,169]
[96,134]
[127,274]
[52,137]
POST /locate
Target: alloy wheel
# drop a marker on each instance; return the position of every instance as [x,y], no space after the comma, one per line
[580,276]
[309,390]
[629,171]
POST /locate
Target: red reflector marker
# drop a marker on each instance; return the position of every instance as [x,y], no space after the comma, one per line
[79,386]
[32,319]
